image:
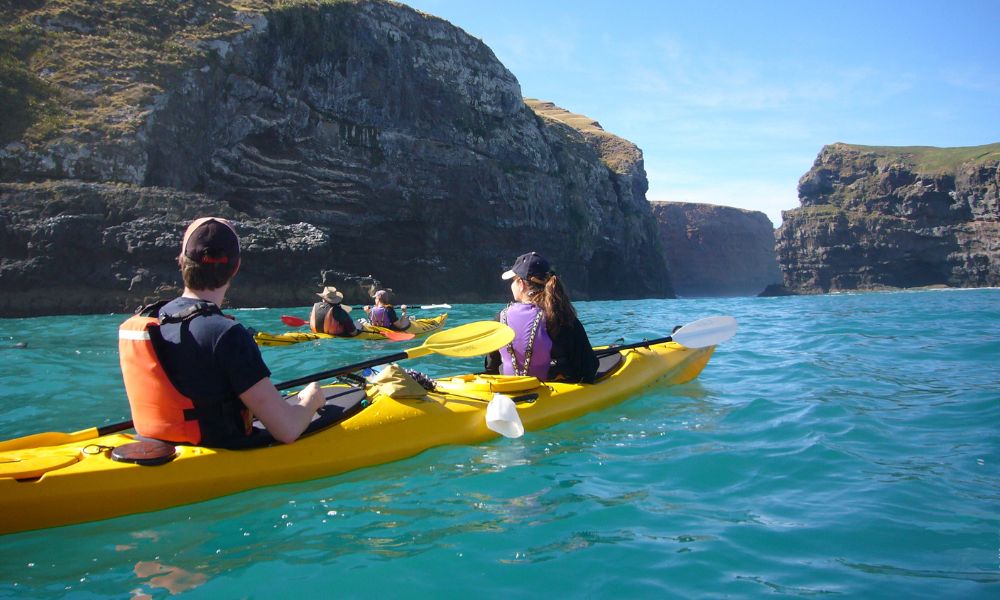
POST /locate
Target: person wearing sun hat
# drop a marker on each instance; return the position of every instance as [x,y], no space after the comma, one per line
[194,375]
[383,314]
[549,342]
[330,316]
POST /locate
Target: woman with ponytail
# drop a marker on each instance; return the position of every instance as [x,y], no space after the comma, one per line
[549,343]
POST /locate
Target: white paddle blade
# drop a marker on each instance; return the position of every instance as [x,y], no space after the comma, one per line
[705,332]
[502,417]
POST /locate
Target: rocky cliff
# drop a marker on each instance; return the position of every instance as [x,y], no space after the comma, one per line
[351,141]
[716,250]
[894,217]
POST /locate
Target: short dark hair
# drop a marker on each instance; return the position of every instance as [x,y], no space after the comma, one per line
[210,276]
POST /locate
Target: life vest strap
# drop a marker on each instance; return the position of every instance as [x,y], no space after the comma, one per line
[197,309]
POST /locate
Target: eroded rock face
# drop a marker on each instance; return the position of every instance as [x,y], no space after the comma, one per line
[874,218]
[71,247]
[348,141]
[716,250]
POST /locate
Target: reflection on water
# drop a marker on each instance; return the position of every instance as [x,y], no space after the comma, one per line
[158,575]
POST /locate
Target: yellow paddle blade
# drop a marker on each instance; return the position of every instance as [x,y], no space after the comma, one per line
[471,339]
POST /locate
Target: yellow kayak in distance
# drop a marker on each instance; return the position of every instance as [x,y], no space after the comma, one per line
[418,327]
[78,482]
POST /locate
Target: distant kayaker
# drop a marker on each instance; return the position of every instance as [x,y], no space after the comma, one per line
[383,314]
[196,376]
[330,316]
[550,343]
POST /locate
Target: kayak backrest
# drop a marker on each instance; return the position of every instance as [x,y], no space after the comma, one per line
[608,364]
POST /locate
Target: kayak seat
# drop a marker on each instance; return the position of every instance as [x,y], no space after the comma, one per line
[341,403]
[608,364]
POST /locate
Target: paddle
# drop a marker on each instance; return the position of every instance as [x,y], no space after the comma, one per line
[471,339]
[396,336]
[501,412]
[57,438]
[702,333]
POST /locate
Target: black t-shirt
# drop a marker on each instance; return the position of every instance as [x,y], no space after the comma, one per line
[573,357]
[211,359]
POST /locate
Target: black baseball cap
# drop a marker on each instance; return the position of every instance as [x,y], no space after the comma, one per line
[211,240]
[528,265]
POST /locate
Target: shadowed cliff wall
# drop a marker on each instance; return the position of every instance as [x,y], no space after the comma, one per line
[716,250]
[350,141]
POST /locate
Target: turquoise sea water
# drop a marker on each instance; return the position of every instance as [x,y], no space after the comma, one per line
[841,445]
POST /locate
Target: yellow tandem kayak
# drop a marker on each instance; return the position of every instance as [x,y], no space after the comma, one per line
[78,482]
[418,327]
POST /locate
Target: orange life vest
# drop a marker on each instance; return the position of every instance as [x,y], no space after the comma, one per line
[321,319]
[159,410]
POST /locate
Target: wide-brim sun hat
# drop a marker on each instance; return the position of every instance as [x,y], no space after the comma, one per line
[331,295]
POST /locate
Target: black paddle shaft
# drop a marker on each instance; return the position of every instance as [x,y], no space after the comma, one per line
[382,361]
[644,344]
[403,355]
[116,427]
[342,370]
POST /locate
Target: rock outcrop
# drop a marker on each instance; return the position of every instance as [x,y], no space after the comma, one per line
[903,217]
[716,250]
[351,142]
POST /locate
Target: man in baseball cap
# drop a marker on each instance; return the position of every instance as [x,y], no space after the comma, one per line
[210,253]
[201,377]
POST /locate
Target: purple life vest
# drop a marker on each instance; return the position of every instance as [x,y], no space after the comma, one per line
[380,316]
[531,351]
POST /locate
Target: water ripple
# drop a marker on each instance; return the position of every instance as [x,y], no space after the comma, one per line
[838,445]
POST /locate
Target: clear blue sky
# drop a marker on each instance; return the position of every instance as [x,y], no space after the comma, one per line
[731,101]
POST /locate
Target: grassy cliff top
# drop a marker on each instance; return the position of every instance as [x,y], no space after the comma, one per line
[618,153]
[579,122]
[929,159]
[91,69]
